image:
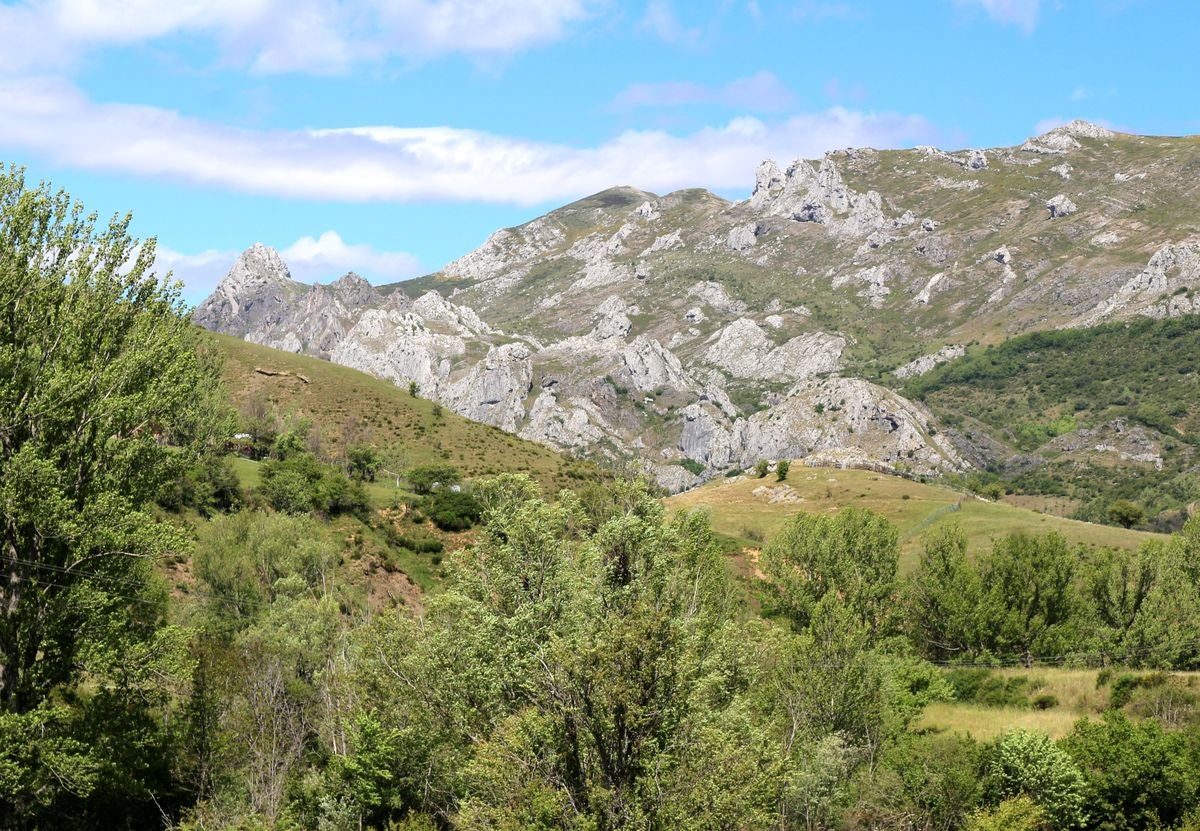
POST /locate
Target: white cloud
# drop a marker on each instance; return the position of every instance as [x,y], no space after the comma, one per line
[52,120]
[660,20]
[1020,13]
[321,36]
[311,260]
[329,256]
[762,91]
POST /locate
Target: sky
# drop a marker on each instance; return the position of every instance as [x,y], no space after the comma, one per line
[391,136]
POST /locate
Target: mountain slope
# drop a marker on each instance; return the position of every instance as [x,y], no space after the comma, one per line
[344,403]
[700,334]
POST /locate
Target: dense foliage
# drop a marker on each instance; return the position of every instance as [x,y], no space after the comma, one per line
[1031,389]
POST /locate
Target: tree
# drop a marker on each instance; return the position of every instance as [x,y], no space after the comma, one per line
[107,393]
[1125,513]
[1027,763]
[942,599]
[1139,775]
[853,553]
[1029,594]
[426,478]
[781,469]
[362,463]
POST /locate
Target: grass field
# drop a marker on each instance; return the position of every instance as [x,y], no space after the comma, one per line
[337,400]
[746,519]
[1078,694]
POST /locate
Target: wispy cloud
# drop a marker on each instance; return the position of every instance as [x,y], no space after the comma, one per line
[322,36]
[52,120]
[1020,13]
[310,259]
[761,92]
[661,20]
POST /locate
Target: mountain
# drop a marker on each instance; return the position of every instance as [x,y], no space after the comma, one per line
[701,334]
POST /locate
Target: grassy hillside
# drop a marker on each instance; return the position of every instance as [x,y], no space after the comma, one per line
[748,518]
[1035,394]
[341,401]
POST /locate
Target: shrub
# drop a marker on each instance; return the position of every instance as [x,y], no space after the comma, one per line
[692,466]
[1044,701]
[781,470]
[362,463]
[761,468]
[451,510]
[1023,762]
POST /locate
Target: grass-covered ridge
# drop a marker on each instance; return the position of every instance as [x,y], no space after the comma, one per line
[747,518]
[344,403]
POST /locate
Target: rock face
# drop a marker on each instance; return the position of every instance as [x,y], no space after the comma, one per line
[1061,206]
[687,327]
[921,365]
[1164,288]
[257,292]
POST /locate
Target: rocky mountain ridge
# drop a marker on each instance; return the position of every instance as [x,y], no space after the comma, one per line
[700,334]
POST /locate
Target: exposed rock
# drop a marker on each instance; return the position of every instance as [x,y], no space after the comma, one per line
[497,261]
[820,196]
[1063,170]
[743,350]
[647,211]
[1166,287]
[926,294]
[651,366]
[398,346]
[665,243]
[256,293]
[741,238]
[552,423]
[840,413]
[921,365]
[975,160]
[433,308]
[673,478]
[611,320]
[1061,206]
[1002,256]
[717,298]
[704,437]
[494,390]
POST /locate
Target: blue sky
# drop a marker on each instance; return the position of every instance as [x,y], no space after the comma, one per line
[390,136]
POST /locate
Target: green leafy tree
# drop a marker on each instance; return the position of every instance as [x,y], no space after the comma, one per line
[1028,763]
[1138,775]
[1125,513]
[363,463]
[781,470]
[426,478]
[852,553]
[942,599]
[1029,595]
[106,394]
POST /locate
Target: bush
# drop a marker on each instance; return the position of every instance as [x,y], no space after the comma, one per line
[362,463]
[1045,701]
[692,466]
[781,470]
[301,484]
[1026,763]
[761,468]
[452,511]
[210,486]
